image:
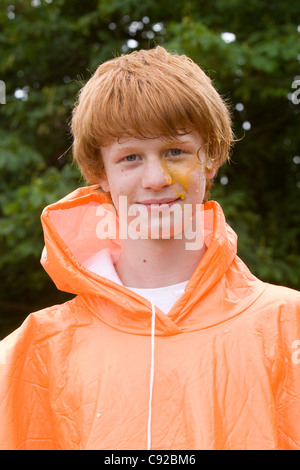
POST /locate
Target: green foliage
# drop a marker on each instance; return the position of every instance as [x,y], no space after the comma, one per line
[49,48]
[28,185]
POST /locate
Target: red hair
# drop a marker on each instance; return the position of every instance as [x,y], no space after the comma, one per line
[144,94]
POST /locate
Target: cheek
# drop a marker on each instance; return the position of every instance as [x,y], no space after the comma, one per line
[119,183]
[191,179]
[123,188]
[197,188]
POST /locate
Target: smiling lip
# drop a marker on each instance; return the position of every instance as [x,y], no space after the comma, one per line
[154,204]
[159,201]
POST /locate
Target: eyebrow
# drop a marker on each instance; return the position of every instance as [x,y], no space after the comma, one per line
[182,142]
[164,145]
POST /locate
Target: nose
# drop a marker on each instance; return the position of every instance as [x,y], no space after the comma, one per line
[155,176]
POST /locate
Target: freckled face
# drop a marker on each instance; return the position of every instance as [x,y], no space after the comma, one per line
[156,173]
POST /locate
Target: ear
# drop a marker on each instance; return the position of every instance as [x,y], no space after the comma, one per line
[104,184]
[211,173]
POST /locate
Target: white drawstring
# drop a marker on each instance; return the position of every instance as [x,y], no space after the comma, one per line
[151,377]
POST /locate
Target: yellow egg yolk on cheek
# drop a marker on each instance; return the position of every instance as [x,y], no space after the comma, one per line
[186,174]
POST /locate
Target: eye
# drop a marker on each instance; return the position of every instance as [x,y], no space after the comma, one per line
[174,152]
[130,158]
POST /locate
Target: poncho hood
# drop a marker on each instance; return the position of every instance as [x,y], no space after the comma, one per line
[220,288]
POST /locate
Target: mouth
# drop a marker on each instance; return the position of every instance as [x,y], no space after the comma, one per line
[159,204]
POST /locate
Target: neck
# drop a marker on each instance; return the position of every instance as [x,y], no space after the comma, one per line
[156,263]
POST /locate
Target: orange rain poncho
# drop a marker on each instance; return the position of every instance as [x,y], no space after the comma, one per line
[108,370]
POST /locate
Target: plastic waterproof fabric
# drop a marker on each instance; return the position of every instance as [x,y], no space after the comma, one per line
[226,362]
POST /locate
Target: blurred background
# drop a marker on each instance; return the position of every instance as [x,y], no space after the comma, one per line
[50,48]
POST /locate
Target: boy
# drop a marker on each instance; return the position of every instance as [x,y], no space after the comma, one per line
[170,343]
